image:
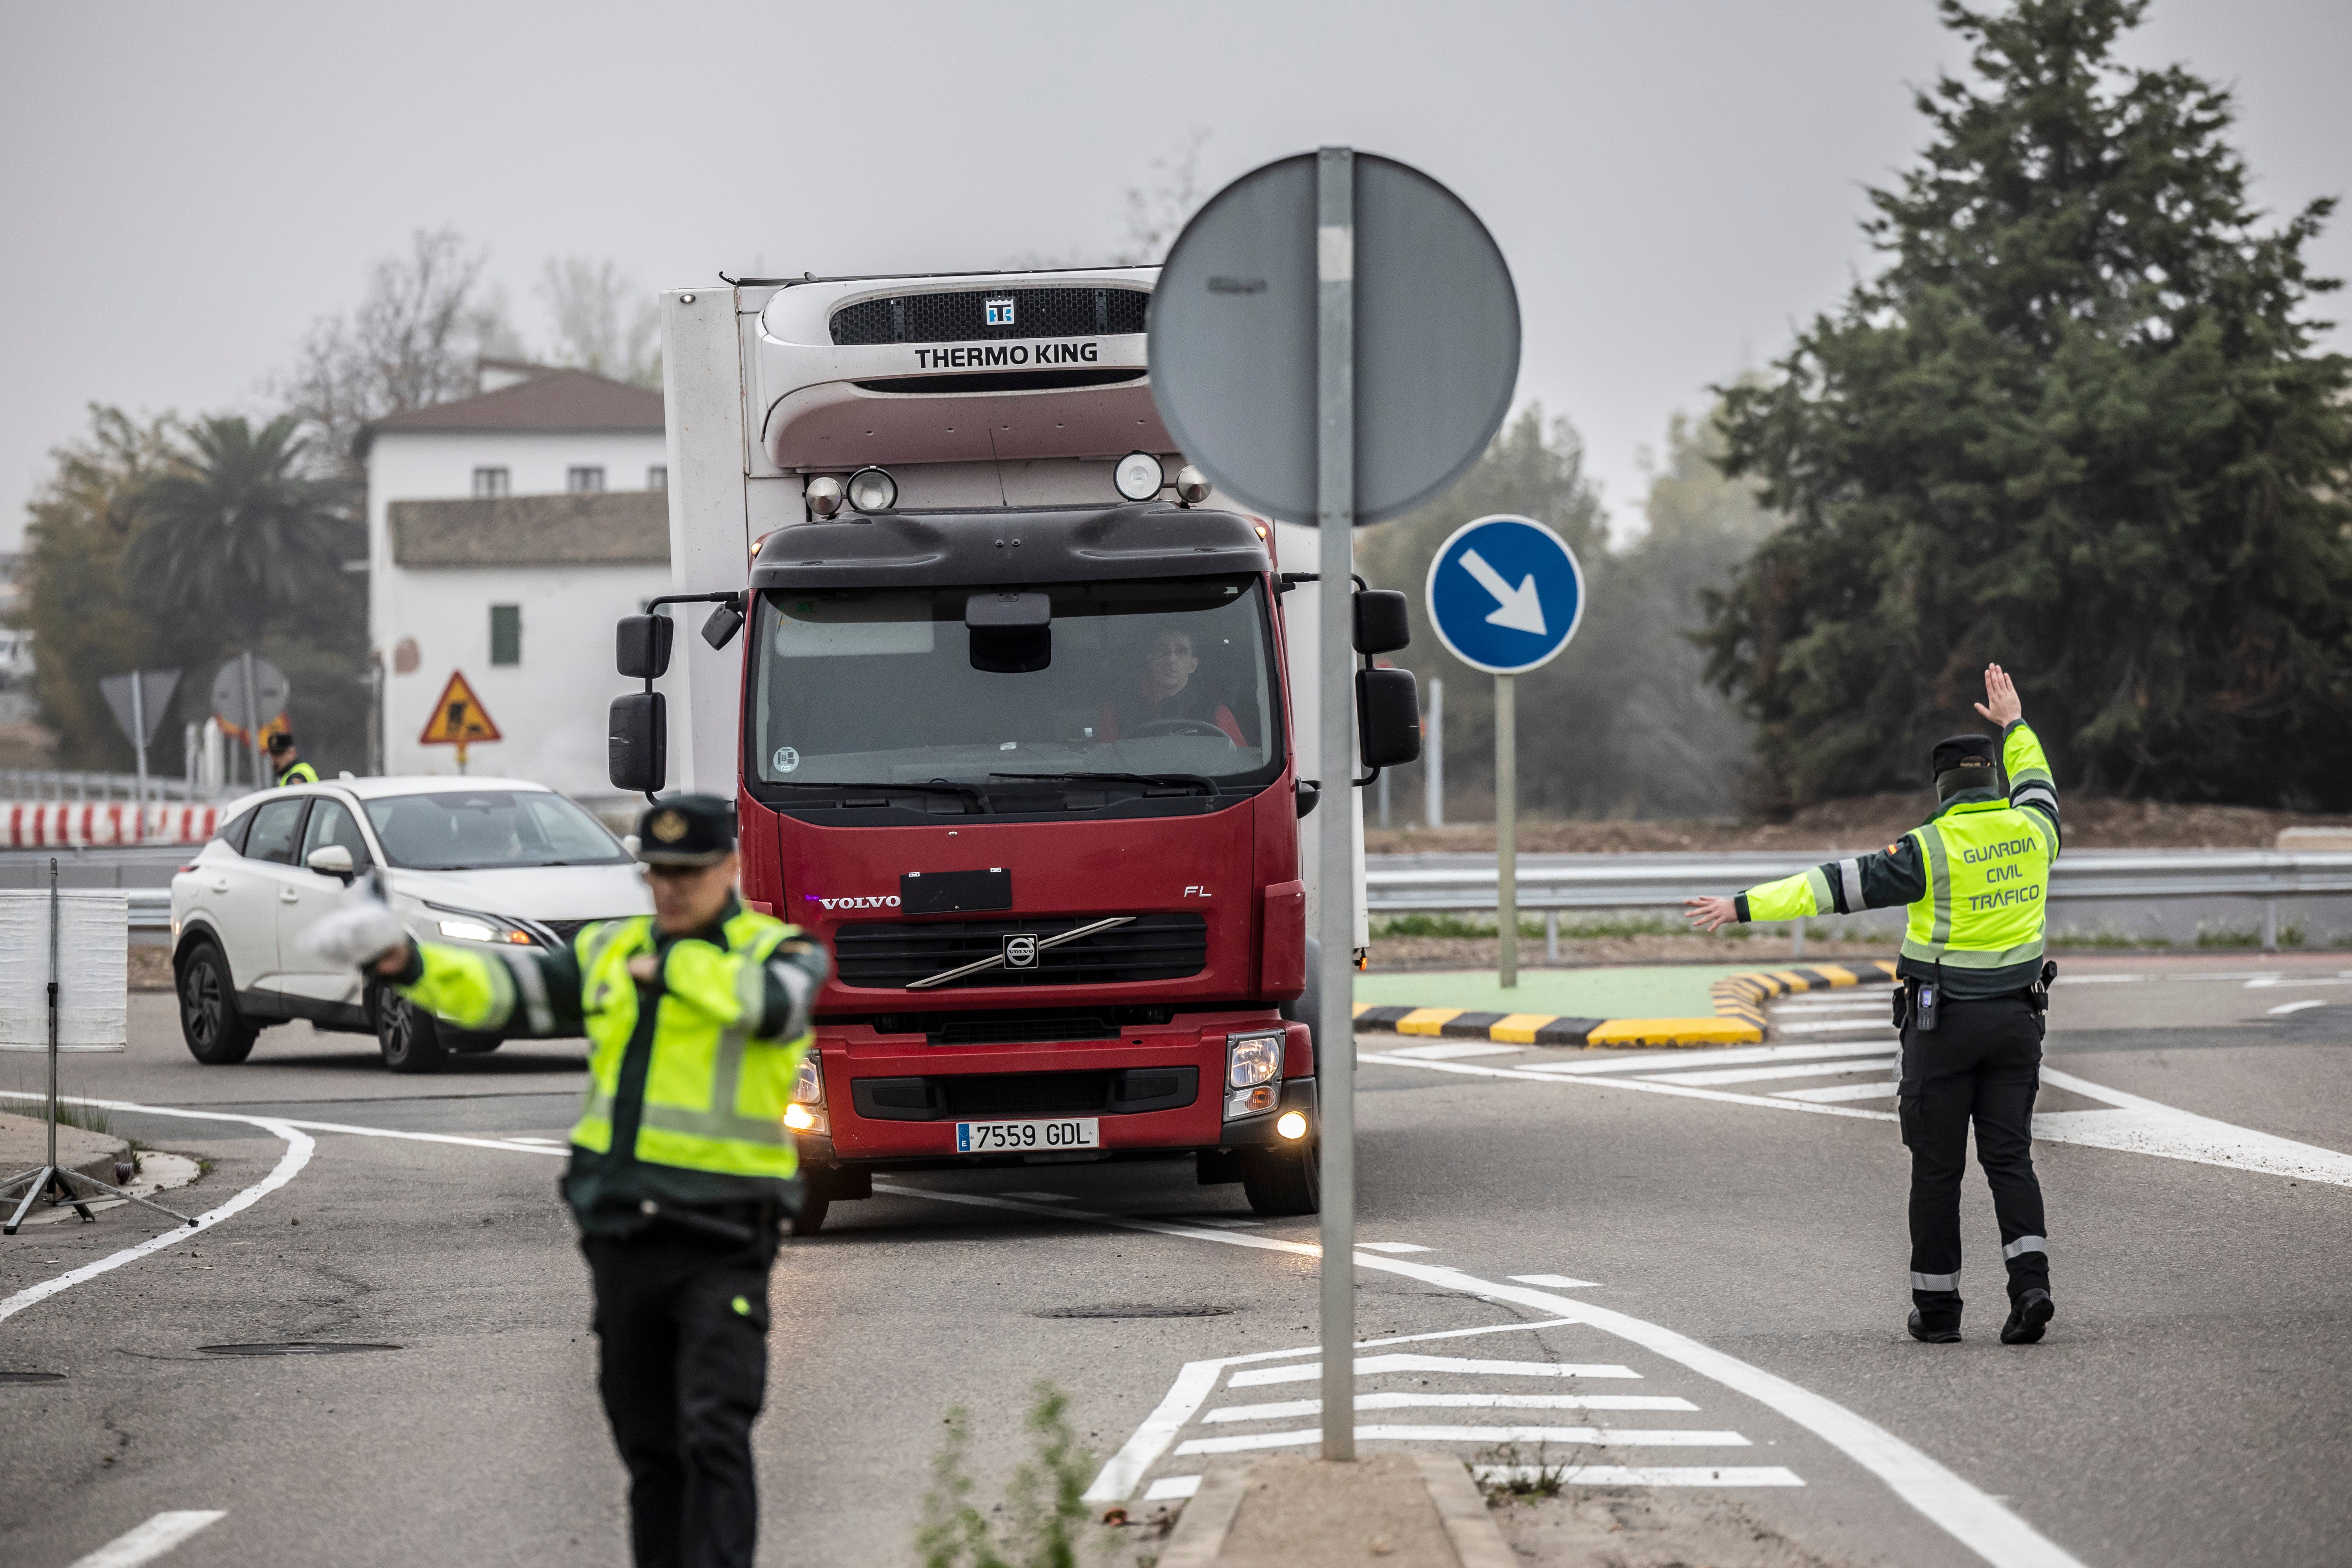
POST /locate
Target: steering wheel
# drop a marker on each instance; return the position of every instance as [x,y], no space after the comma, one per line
[1201,726]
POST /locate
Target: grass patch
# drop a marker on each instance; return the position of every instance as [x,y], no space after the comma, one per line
[2245,936]
[89,1118]
[1507,1473]
[1043,1520]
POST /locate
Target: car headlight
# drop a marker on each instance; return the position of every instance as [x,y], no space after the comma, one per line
[463,929]
[1253,1058]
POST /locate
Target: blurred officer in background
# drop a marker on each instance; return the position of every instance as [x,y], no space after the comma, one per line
[682,1162]
[1973,991]
[286,763]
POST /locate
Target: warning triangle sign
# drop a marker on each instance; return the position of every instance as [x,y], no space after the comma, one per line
[459,718]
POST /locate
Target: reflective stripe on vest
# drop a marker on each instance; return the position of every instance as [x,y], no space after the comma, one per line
[1988,882]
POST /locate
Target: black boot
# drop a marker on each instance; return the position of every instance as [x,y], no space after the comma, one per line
[1938,1332]
[2029,1315]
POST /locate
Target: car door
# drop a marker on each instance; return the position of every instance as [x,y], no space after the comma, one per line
[307,895]
[271,878]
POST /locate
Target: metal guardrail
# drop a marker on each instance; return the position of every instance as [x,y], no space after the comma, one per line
[53,785]
[1401,883]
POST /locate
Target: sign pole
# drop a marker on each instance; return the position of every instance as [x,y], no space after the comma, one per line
[138,735]
[252,721]
[1335,1030]
[1507,824]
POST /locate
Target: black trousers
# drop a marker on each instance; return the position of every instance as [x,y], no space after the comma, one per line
[683,1321]
[1983,1062]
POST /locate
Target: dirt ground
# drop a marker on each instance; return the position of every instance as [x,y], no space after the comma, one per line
[1866,822]
[151,968]
[1663,1528]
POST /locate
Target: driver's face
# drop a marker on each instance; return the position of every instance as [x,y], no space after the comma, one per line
[1171,663]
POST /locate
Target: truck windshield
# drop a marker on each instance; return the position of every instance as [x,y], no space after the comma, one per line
[1161,677]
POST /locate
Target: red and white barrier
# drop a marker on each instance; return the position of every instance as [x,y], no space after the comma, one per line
[96,824]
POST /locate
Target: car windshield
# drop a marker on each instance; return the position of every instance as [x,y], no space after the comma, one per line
[1157,678]
[480,830]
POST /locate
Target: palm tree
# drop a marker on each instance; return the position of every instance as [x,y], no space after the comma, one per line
[235,528]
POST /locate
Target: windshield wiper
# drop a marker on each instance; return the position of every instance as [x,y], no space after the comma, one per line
[1189,781]
[971,793]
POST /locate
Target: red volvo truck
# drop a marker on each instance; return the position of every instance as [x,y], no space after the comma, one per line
[1012,723]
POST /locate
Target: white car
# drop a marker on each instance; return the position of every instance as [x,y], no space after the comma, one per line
[495,861]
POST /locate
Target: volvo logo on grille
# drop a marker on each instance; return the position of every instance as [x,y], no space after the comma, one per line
[1021,952]
[1000,311]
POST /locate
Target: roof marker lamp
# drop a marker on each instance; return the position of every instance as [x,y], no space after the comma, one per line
[823,495]
[1191,486]
[872,490]
[1140,476]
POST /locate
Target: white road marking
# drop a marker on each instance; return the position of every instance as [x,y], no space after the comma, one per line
[1392,1247]
[1640,1062]
[1197,1380]
[1043,1197]
[1646,1475]
[1366,1365]
[1170,1487]
[1974,1518]
[1607,1436]
[2134,1126]
[1286,1409]
[1556,1281]
[2114,978]
[150,1540]
[1840,1092]
[1451,1049]
[1876,1002]
[1878,1020]
[1874,1062]
[2264,982]
[297,1155]
[2295,1006]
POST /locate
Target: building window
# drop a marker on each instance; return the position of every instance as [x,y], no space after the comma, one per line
[578,480]
[506,633]
[657,477]
[489,483]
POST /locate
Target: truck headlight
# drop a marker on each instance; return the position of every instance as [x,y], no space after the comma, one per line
[808,1081]
[1253,1058]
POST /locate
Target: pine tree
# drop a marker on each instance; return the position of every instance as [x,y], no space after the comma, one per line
[2076,424]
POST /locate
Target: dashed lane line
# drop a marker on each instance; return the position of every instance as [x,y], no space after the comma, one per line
[1974,1518]
[299,1147]
[150,1540]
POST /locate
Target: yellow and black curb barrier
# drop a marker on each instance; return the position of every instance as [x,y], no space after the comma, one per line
[1739,1014]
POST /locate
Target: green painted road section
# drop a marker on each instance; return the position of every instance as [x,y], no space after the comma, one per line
[1641,991]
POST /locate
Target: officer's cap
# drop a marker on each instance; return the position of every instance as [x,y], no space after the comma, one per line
[687,830]
[279,740]
[1964,750]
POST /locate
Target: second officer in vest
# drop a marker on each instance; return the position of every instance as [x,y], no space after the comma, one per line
[682,1161]
[1973,990]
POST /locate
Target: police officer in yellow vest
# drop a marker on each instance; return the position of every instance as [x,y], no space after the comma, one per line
[682,1162]
[286,763]
[1972,999]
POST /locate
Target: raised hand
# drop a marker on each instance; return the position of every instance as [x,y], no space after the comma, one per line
[2000,704]
[1706,914]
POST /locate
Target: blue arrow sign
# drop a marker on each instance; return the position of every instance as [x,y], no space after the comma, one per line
[1506,594]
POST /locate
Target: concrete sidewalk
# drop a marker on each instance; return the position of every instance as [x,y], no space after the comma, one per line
[1292,1512]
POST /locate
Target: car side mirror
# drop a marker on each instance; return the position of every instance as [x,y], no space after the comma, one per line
[1383,624]
[641,645]
[333,860]
[636,742]
[1387,718]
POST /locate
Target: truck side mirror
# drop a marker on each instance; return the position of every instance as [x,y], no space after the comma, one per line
[641,645]
[637,742]
[724,623]
[1383,625]
[1387,718]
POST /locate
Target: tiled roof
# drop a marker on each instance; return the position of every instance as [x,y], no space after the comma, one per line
[555,400]
[602,528]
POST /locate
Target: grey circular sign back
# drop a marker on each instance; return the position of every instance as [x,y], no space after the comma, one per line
[1233,338]
[271,690]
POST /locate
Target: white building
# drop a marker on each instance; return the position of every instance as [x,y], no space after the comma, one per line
[507,533]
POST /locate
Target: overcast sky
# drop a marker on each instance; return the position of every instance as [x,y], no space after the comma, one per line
[1675,183]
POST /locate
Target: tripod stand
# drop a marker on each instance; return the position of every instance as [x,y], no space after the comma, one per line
[52,1178]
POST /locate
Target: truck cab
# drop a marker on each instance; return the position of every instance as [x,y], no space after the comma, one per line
[1011,727]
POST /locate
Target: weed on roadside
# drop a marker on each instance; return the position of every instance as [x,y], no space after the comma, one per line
[1507,1473]
[89,1118]
[1045,1522]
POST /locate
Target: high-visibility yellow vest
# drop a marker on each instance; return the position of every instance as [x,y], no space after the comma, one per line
[1987,886]
[297,773]
[715,1097]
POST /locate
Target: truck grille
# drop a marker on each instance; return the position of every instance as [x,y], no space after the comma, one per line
[958,1095]
[962,317]
[894,954]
